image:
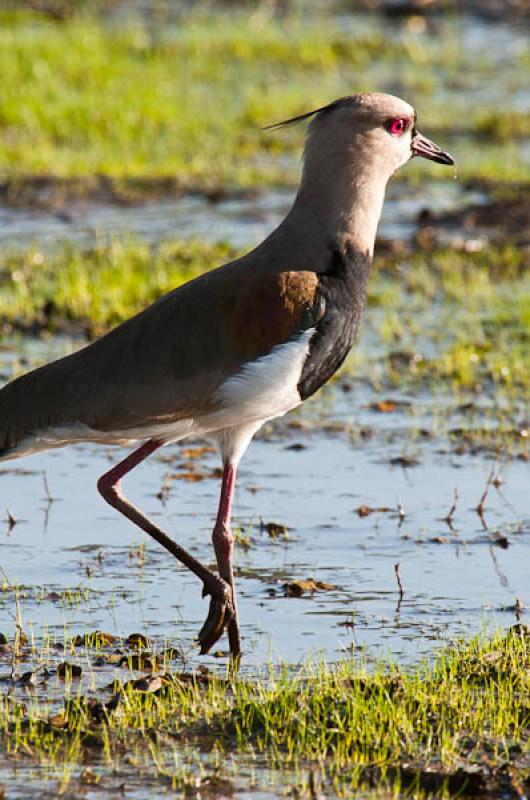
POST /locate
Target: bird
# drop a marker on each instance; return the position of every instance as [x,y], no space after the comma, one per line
[236,346]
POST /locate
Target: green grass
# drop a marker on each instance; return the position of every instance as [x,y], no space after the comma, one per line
[96,290]
[187,101]
[461,719]
[466,314]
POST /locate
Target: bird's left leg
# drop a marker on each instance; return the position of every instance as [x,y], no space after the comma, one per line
[221,610]
[223,542]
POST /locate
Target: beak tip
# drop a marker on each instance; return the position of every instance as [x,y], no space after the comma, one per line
[448,160]
[421,146]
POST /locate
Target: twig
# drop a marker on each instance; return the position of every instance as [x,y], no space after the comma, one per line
[5,576]
[401,591]
[399,583]
[11,520]
[480,508]
[449,517]
[20,636]
[49,496]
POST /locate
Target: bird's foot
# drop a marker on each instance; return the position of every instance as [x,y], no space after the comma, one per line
[220,613]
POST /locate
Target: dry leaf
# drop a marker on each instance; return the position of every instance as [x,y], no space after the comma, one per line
[365,511]
[299,587]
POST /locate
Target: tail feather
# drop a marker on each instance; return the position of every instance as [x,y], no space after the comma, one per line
[82,395]
[29,404]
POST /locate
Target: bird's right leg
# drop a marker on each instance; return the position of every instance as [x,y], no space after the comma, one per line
[221,605]
[223,541]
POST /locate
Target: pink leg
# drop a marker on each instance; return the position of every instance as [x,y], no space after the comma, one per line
[221,609]
[223,542]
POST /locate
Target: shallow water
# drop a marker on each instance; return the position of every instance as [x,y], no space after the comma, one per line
[242,222]
[299,474]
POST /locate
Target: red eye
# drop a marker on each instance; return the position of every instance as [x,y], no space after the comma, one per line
[397,126]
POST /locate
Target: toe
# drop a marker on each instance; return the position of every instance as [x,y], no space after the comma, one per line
[219,615]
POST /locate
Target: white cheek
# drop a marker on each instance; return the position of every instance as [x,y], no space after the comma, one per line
[407,147]
[402,150]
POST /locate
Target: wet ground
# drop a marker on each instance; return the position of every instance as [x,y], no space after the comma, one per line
[315,475]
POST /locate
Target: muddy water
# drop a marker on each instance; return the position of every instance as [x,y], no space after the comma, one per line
[300,476]
[242,222]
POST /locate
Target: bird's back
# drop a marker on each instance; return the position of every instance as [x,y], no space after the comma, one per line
[167,362]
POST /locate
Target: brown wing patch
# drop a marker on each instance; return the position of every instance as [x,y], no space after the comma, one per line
[269,309]
[298,290]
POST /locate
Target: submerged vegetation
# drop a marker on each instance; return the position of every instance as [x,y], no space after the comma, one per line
[459,724]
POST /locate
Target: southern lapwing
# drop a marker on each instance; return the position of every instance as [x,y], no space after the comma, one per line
[239,345]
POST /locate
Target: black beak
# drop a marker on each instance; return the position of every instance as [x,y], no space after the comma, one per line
[421,146]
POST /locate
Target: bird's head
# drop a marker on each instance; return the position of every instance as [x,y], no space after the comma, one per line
[373,131]
[353,147]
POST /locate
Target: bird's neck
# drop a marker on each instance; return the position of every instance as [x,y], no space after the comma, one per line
[337,208]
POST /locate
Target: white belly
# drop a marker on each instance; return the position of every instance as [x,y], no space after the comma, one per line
[263,389]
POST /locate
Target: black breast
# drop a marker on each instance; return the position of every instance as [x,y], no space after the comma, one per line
[342,297]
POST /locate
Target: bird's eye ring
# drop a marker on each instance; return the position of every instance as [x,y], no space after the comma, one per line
[397,126]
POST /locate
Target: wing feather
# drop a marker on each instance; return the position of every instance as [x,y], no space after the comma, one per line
[167,362]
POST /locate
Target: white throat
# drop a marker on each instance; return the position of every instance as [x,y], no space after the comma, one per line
[339,200]
[344,204]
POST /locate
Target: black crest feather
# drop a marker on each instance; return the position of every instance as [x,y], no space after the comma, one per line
[301,117]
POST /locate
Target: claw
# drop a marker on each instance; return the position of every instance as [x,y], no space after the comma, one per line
[220,613]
